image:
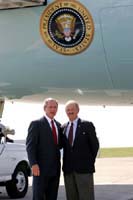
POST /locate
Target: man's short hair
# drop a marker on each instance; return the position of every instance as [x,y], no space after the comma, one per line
[49,99]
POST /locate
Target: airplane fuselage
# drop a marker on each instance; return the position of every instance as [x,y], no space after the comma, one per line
[101,74]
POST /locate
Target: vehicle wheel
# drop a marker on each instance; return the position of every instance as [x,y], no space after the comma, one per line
[18,186]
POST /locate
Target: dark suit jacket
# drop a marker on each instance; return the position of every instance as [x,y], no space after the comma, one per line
[41,149]
[81,156]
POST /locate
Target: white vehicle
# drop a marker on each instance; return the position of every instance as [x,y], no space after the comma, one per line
[14,167]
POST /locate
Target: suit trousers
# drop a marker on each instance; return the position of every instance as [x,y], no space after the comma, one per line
[79,186]
[45,187]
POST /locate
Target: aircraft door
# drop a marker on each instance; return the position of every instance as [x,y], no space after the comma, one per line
[118,43]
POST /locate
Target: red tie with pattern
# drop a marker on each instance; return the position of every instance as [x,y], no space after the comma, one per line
[70,134]
[54,132]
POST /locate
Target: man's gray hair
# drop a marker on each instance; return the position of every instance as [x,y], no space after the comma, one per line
[72,102]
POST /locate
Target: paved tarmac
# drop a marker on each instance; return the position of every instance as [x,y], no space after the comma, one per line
[113,181]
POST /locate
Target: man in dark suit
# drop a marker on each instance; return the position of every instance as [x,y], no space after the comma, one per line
[80,149]
[43,151]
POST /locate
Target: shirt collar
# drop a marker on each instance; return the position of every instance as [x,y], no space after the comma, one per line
[49,119]
[74,122]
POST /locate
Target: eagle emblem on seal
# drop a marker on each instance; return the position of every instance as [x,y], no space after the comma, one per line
[66,27]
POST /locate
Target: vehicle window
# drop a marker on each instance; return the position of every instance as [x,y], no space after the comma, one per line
[8,4]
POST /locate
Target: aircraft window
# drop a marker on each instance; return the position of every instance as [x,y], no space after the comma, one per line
[7,4]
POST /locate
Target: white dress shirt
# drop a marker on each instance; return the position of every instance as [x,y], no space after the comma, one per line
[49,121]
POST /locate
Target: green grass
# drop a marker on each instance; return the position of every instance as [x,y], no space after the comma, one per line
[116,152]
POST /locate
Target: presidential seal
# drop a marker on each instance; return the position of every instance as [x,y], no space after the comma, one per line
[66,26]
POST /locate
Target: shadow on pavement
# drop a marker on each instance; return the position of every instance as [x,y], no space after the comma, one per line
[102,192]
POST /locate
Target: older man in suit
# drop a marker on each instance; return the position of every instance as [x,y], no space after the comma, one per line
[42,146]
[80,149]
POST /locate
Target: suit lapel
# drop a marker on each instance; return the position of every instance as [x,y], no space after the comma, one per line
[58,126]
[47,127]
[65,129]
[45,121]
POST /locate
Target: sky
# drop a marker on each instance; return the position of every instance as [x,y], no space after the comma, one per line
[114,125]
